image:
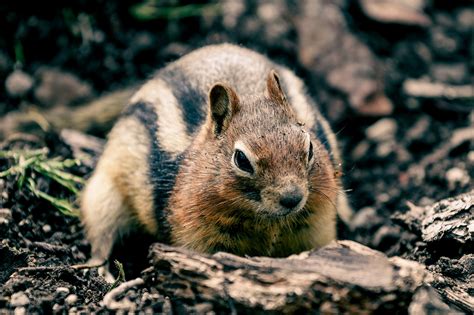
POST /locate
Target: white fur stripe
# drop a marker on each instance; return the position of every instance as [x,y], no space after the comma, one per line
[299,102]
[171,132]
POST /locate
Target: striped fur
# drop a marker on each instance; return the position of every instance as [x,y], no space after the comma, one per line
[167,170]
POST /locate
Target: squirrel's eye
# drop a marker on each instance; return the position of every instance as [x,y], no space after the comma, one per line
[242,162]
[310,152]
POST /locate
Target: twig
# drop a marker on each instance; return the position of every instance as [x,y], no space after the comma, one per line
[51,248]
[110,301]
[89,266]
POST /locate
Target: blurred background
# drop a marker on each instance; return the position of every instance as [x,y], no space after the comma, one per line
[394,78]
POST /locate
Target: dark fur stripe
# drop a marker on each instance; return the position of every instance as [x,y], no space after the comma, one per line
[163,169]
[322,137]
[191,99]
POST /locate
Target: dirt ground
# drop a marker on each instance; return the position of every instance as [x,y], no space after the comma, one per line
[402,140]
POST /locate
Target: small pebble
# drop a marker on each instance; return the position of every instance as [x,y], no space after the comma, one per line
[5,216]
[383,130]
[384,149]
[470,156]
[62,291]
[360,150]
[71,299]
[457,176]
[20,310]
[56,307]
[46,228]
[19,299]
[18,83]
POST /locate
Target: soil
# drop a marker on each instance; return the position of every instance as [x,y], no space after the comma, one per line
[388,161]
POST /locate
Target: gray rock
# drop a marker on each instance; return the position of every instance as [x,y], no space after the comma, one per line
[19,299]
[60,88]
[18,83]
[71,299]
[383,130]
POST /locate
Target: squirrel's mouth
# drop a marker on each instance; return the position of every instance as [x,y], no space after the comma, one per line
[281,212]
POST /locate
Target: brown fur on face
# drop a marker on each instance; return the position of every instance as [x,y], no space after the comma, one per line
[239,212]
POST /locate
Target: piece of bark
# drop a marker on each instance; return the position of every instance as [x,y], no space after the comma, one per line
[342,277]
[448,220]
[428,89]
[404,12]
[328,48]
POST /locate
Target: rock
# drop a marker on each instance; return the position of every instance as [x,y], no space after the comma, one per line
[427,301]
[451,73]
[20,310]
[60,88]
[327,47]
[405,12]
[18,83]
[465,20]
[457,177]
[383,130]
[19,299]
[384,149]
[46,228]
[71,299]
[360,150]
[5,216]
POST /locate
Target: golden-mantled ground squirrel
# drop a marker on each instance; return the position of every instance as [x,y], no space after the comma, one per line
[222,150]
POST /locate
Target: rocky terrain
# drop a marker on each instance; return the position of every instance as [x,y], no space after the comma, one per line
[395,79]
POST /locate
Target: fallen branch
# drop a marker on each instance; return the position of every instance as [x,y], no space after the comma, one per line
[343,277]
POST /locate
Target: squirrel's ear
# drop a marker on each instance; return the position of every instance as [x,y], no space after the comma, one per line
[274,90]
[223,103]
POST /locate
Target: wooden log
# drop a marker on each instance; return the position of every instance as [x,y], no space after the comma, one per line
[97,115]
[342,277]
[449,220]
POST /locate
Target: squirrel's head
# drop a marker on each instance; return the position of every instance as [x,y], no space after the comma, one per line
[258,159]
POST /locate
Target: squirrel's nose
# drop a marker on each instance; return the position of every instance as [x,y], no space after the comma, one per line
[291,198]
